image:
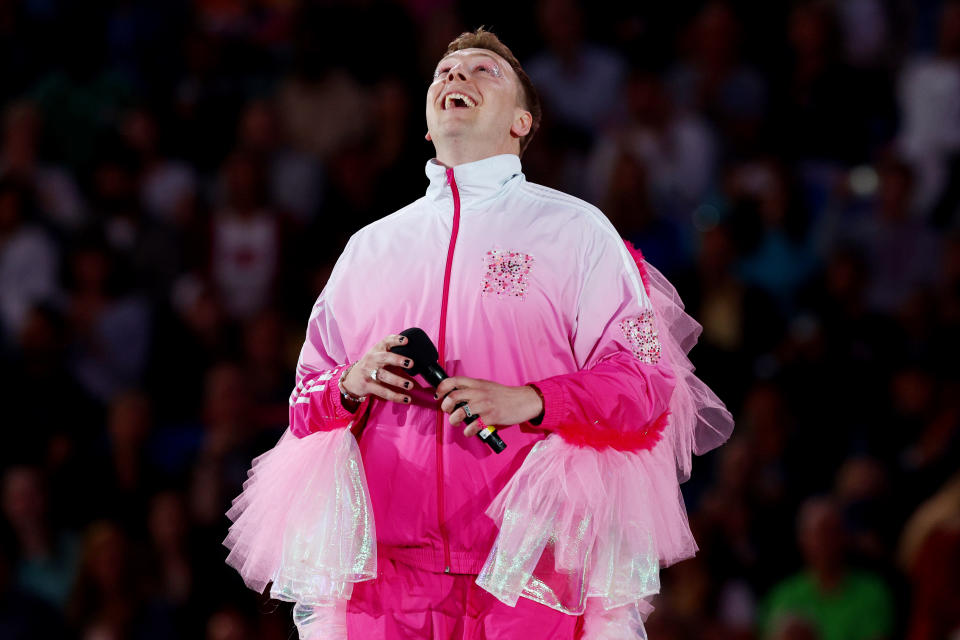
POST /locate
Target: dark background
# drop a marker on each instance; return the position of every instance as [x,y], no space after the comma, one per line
[177,178]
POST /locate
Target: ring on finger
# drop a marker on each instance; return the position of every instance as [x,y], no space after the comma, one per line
[466,410]
[373,374]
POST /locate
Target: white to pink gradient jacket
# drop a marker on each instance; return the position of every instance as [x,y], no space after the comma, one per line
[515,283]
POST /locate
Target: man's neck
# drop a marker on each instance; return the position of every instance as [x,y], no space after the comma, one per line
[459,152]
[828,578]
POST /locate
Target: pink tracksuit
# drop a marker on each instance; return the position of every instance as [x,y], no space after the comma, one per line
[515,283]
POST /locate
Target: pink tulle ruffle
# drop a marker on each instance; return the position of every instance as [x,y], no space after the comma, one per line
[578,522]
[699,421]
[304,521]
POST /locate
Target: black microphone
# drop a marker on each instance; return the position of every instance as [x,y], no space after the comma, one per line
[421,350]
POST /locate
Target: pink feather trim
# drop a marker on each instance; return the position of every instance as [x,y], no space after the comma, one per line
[638,258]
[583,435]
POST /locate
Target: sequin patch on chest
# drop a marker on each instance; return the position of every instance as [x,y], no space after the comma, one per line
[641,334]
[506,273]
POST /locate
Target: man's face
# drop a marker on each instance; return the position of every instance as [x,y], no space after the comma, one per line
[474,93]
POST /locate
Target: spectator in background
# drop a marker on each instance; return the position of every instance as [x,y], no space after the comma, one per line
[841,351]
[153,249]
[58,195]
[840,602]
[247,238]
[29,260]
[581,83]
[825,111]
[48,556]
[947,292]
[677,149]
[902,254]
[740,322]
[366,176]
[320,91]
[166,188]
[863,494]
[107,600]
[110,324]
[266,371]
[353,175]
[222,459]
[196,334]
[869,28]
[746,512]
[80,97]
[930,554]
[928,92]
[168,523]
[176,568]
[259,23]
[772,232]
[630,207]
[715,81]
[795,629]
[125,473]
[228,623]
[295,178]
[727,518]
[396,136]
[22,615]
[923,438]
[37,363]
[203,94]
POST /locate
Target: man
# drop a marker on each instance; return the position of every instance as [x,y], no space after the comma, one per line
[539,314]
[835,600]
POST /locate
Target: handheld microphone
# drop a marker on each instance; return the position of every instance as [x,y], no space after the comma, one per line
[421,350]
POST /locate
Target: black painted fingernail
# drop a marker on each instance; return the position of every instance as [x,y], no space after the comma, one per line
[407,400]
[436,397]
[406,385]
[406,363]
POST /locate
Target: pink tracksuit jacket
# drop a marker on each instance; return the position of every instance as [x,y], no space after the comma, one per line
[515,283]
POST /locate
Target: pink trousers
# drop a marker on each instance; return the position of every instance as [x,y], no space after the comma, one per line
[405,603]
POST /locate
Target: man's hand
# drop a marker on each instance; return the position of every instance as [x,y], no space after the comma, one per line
[360,382]
[497,404]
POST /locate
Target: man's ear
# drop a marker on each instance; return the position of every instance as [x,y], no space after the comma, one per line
[522,122]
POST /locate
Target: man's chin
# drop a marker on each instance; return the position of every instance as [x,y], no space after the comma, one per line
[452,129]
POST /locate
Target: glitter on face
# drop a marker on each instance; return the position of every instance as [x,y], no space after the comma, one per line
[641,334]
[488,66]
[506,273]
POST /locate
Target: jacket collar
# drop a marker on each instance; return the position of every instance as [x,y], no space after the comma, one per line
[478,182]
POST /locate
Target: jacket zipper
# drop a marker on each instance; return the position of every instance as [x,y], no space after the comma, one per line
[440,348]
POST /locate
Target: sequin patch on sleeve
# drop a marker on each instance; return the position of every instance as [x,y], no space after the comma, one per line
[506,273]
[641,334]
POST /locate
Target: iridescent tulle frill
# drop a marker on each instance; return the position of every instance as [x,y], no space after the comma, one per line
[304,521]
[586,529]
[577,522]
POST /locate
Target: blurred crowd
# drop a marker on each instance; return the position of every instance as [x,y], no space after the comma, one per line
[177,179]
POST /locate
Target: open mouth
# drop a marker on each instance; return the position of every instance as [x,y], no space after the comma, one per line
[456,100]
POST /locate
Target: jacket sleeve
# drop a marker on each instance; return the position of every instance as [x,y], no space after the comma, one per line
[620,395]
[315,401]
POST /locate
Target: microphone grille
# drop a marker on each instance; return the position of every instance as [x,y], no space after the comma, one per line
[419,348]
